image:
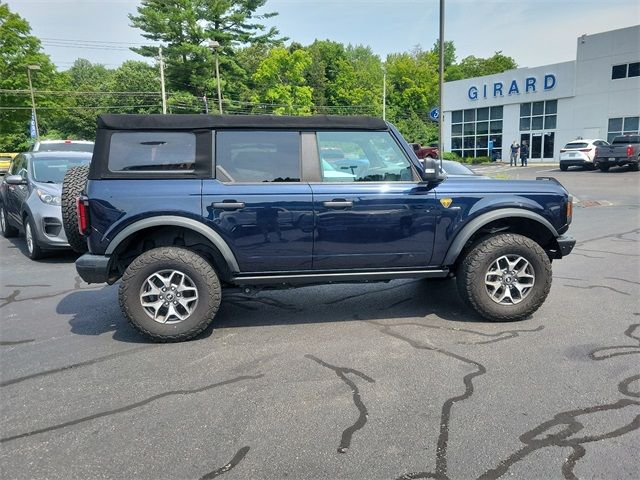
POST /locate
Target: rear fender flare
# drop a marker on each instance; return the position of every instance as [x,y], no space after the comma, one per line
[172,220]
[477,223]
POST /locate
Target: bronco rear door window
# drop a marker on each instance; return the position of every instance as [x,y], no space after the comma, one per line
[152,152]
[258,156]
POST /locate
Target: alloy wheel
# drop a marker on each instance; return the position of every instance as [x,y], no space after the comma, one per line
[169,296]
[509,279]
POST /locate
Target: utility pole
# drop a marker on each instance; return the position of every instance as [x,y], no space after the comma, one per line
[441,80]
[215,46]
[33,99]
[206,104]
[384,95]
[164,95]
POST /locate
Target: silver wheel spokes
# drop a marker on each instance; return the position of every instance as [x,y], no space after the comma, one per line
[2,220]
[509,279]
[169,296]
[29,237]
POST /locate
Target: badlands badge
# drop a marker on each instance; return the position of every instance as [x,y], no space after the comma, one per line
[446,202]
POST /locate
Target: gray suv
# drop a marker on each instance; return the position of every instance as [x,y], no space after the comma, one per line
[30,198]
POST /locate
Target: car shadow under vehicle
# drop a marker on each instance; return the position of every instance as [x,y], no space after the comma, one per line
[96,312]
[51,256]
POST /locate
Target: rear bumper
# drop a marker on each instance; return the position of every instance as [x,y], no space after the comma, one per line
[612,161]
[566,244]
[93,268]
[576,162]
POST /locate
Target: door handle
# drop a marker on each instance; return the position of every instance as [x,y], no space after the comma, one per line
[338,203]
[228,205]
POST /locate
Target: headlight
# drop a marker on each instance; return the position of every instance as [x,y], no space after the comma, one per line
[48,198]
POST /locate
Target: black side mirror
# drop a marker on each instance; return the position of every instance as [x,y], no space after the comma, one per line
[15,180]
[431,170]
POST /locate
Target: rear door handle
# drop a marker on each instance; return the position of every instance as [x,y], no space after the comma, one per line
[228,205]
[338,203]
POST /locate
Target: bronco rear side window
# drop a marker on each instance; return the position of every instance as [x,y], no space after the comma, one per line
[258,156]
[159,151]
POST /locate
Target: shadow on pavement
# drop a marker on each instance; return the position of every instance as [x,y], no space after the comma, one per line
[51,256]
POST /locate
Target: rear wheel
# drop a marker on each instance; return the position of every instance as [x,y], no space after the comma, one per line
[603,168]
[635,166]
[7,230]
[564,168]
[505,277]
[72,187]
[170,294]
[33,248]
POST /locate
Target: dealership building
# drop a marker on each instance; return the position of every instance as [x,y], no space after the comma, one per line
[595,96]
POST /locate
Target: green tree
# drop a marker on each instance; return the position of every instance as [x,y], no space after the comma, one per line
[183,26]
[281,77]
[18,49]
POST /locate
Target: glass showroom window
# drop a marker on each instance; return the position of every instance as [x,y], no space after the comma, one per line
[623,126]
[472,129]
[538,115]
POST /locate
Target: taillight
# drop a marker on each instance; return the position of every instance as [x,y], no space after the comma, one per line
[82,208]
[587,150]
[562,150]
[630,151]
[569,209]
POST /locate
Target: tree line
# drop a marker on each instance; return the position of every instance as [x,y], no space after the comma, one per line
[260,73]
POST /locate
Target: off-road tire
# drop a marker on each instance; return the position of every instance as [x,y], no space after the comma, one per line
[35,252]
[472,270]
[164,258]
[8,231]
[72,187]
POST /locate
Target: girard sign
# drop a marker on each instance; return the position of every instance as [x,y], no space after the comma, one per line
[500,88]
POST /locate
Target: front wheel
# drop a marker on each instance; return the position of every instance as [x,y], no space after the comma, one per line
[33,248]
[505,277]
[170,294]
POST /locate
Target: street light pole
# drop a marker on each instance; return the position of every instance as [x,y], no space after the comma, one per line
[441,80]
[384,95]
[33,99]
[162,90]
[215,46]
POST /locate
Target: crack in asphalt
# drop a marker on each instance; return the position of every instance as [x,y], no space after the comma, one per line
[5,343]
[536,439]
[12,298]
[619,236]
[75,365]
[508,333]
[341,372]
[590,287]
[447,407]
[237,458]
[584,255]
[131,406]
[622,280]
[369,292]
[619,350]
[608,252]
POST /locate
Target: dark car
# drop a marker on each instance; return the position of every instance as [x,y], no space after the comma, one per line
[30,198]
[177,208]
[623,150]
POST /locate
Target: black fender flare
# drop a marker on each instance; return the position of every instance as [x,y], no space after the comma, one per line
[476,224]
[176,221]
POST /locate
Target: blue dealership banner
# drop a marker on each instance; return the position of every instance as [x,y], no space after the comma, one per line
[32,126]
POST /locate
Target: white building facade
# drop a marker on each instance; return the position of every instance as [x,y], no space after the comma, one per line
[595,96]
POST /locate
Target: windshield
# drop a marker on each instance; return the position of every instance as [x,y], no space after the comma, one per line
[52,170]
[626,139]
[65,147]
[455,168]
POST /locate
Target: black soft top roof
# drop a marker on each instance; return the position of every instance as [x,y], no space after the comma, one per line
[189,122]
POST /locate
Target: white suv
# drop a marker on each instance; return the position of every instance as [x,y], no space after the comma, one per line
[580,153]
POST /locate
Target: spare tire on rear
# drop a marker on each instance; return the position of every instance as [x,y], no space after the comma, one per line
[72,187]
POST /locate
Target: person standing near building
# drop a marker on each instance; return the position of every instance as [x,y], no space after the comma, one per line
[513,161]
[524,153]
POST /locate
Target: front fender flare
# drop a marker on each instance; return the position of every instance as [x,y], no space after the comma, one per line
[176,221]
[474,225]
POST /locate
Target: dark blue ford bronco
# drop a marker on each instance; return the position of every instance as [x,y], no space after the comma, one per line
[184,207]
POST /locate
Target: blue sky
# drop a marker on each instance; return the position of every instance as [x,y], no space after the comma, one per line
[534,32]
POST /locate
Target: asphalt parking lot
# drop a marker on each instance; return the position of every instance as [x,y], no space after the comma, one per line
[383,381]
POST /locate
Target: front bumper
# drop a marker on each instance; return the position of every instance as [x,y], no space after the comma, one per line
[565,244]
[93,268]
